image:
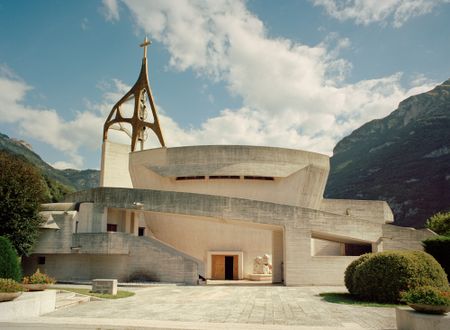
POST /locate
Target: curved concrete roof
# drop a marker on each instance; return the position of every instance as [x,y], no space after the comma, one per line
[227,160]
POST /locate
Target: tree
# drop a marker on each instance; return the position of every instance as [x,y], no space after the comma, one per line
[440,223]
[22,189]
[9,262]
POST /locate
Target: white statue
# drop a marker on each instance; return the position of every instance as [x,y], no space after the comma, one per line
[258,266]
[262,265]
[267,268]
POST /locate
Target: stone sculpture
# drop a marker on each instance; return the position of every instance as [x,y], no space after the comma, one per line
[262,265]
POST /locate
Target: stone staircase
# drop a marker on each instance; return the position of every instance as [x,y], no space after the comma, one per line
[66,299]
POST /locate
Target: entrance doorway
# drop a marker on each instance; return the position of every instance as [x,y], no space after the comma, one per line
[229,268]
[224,267]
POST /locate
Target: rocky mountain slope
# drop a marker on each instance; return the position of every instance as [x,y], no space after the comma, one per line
[70,179]
[403,158]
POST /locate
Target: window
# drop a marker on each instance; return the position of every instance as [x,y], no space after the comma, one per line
[41,260]
[198,177]
[324,247]
[357,249]
[253,177]
[141,231]
[111,227]
[224,177]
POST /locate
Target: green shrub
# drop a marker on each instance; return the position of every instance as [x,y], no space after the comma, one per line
[382,276]
[440,223]
[350,271]
[9,261]
[426,295]
[9,285]
[439,248]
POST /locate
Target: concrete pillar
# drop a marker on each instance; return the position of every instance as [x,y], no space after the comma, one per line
[297,245]
[128,222]
[277,256]
[136,217]
[99,218]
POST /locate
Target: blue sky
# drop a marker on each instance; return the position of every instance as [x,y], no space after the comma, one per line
[296,74]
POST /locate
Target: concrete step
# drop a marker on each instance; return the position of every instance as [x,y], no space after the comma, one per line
[74,323]
[66,299]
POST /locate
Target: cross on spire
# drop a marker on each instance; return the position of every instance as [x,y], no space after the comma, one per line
[140,93]
[144,45]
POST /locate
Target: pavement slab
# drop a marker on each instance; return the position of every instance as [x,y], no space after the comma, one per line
[219,307]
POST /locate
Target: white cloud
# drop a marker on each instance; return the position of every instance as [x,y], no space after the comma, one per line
[46,125]
[84,24]
[365,12]
[293,94]
[110,9]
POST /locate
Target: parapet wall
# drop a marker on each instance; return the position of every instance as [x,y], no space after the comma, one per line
[277,175]
[120,256]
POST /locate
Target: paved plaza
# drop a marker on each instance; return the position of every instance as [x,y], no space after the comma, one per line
[221,307]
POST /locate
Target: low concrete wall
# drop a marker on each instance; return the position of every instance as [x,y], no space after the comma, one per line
[99,257]
[408,319]
[29,304]
[404,238]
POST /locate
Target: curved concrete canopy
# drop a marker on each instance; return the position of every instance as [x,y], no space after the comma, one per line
[227,160]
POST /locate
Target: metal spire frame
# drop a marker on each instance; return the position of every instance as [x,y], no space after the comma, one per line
[140,91]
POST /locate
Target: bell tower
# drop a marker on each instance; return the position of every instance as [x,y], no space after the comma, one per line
[115,156]
[140,93]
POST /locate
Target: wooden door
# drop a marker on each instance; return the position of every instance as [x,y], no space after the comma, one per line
[218,267]
[235,267]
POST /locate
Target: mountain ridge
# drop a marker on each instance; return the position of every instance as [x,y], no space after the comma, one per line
[71,178]
[403,158]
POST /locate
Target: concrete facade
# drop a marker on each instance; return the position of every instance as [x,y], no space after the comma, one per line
[189,213]
[190,203]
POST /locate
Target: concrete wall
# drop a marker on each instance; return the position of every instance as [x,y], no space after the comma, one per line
[320,247]
[57,240]
[374,211]
[197,236]
[300,176]
[126,259]
[114,165]
[28,304]
[85,218]
[403,238]
[277,256]
[299,224]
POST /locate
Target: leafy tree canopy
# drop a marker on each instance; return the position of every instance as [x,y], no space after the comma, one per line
[440,223]
[22,189]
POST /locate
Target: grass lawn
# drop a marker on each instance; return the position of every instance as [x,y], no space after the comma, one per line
[87,292]
[347,298]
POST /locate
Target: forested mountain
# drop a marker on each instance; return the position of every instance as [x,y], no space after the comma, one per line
[403,158]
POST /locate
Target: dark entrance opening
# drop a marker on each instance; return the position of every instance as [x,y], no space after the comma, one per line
[357,249]
[229,267]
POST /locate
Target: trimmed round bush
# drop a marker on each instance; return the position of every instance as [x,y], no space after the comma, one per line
[382,276]
[350,271]
[426,295]
[9,261]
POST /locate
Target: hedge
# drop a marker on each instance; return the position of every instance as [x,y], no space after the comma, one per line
[439,248]
[381,277]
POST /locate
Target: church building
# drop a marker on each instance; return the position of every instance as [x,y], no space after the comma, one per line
[185,214]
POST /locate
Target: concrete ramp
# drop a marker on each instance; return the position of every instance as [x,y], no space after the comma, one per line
[155,260]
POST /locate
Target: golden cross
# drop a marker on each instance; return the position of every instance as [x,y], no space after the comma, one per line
[145,44]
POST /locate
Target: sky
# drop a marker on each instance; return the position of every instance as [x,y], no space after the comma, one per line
[294,74]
